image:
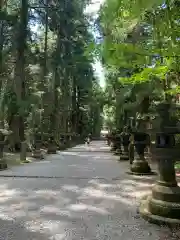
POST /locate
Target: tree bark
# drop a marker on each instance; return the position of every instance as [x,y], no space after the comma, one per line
[1,60]
[43,81]
[19,75]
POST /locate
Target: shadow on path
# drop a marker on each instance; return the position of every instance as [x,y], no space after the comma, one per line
[74,196]
[74,210]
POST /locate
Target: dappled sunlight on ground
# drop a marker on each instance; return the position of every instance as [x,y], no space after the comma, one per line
[88,208]
[92,155]
[90,198]
[92,147]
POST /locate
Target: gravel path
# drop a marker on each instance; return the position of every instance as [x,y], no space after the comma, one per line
[80,194]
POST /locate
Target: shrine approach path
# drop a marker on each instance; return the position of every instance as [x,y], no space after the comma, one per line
[82,193]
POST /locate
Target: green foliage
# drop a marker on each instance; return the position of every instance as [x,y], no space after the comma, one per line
[140,52]
[57,69]
[147,74]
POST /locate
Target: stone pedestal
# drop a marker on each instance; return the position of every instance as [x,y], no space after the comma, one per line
[117,142]
[125,141]
[23,152]
[62,143]
[69,141]
[62,147]
[140,166]
[108,140]
[73,141]
[3,164]
[118,152]
[113,147]
[113,144]
[52,148]
[131,153]
[163,205]
[124,153]
[37,153]
[66,142]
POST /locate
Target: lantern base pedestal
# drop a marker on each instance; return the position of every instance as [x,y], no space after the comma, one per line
[3,165]
[37,154]
[52,149]
[161,212]
[124,157]
[131,153]
[140,167]
[118,152]
[62,147]
[72,144]
[113,149]
[141,174]
[68,145]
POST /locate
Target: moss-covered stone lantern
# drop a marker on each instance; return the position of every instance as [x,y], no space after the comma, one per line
[37,153]
[163,204]
[52,147]
[117,143]
[125,141]
[3,134]
[140,139]
[113,141]
[62,144]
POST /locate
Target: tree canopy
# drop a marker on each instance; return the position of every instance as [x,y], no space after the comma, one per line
[140,53]
[47,80]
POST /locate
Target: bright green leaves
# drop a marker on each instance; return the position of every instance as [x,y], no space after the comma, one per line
[123,54]
[140,50]
[148,74]
[132,41]
[124,15]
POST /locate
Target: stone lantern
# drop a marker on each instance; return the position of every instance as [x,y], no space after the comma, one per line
[52,148]
[125,141]
[3,134]
[140,140]
[62,145]
[73,139]
[163,205]
[113,141]
[37,153]
[68,140]
[117,143]
[108,139]
[45,139]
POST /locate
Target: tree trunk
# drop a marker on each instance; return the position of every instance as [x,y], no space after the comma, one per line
[1,61]
[1,48]
[56,85]
[19,75]
[74,107]
[1,70]
[43,82]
